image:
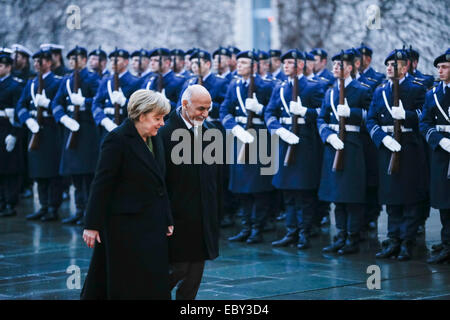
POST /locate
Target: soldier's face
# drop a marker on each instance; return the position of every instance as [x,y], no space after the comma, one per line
[337,69]
[309,67]
[224,61]
[444,71]
[135,63]
[93,62]
[122,64]
[204,66]
[154,64]
[5,69]
[81,62]
[319,63]
[232,63]
[187,62]
[264,66]
[357,63]
[289,67]
[276,63]
[243,66]
[46,65]
[20,59]
[366,60]
[401,66]
[179,62]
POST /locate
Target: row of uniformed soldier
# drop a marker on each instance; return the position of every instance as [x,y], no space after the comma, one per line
[304,188]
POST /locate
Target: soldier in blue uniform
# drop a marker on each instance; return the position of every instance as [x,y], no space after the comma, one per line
[221,60]
[43,162]
[356,74]
[107,97]
[275,68]
[320,66]
[140,63]
[98,62]
[346,187]
[78,161]
[58,66]
[246,180]
[402,192]
[21,66]
[187,72]
[233,60]
[163,78]
[375,78]
[435,127]
[427,80]
[10,144]
[263,66]
[178,62]
[308,70]
[299,181]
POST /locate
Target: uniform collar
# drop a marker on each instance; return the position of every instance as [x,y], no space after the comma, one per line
[5,77]
[207,76]
[146,72]
[291,81]
[277,72]
[46,74]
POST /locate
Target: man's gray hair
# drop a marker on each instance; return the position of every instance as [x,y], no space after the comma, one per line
[187,95]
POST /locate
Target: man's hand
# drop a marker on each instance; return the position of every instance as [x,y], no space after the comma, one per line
[42,100]
[287,136]
[77,99]
[242,134]
[108,124]
[32,125]
[343,110]
[391,144]
[70,123]
[334,140]
[445,144]
[89,236]
[118,97]
[297,108]
[398,113]
[10,142]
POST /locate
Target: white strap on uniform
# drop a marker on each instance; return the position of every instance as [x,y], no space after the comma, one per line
[33,97]
[149,83]
[390,129]
[332,104]
[241,103]
[286,120]
[442,128]
[348,127]
[283,101]
[69,91]
[386,102]
[439,105]
[243,120]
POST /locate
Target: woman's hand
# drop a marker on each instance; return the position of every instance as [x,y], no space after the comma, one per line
[169,231]
[89,236]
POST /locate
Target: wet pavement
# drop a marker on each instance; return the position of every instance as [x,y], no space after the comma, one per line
[35,256]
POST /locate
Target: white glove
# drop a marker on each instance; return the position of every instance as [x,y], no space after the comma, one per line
[10,142]
[391,144]
[32,125]
[10,114]
[69,123]
[343,110]
[118,97]
[41,100]
[71,108]
[335,142]
[108,124]
[108,110]
[398,113]
[242,134]
[296,107]
[253,105]
[287,136]
[445,144]
[77,98]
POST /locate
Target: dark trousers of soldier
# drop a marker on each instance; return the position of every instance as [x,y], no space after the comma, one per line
[323,210]
[50,192]
[9,189]
[372,210]
[301,208]
[349,217]
[188,276]
[403,221]
[82,183]
[256,207]
[445,221]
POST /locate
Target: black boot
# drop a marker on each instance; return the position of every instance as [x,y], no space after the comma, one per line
[338,243]
[73,219]
[255,236]
[303,241]
[390,248]
[405,251]
[442,256]
[351,244]
[38,214]
[9,211]
[289,238]
[52,215]
[281,217]
[241,236]
[437,247]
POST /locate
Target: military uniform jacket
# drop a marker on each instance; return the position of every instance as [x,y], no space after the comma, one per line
[374,78]
[410,184]
[102,106]
[348,185]
[43,162]
[217,87]
[435,125]
[246,178]
[425,79]
[10,90]
[304,173]
[83,158]
[172,84]
[326,76]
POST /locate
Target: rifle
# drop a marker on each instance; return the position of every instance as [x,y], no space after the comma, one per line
[35,138]
[73,136]
[99,66]
[220,62]
[338,163]
[200,78]
[15,67]
[394,163]
[140,63]
[245,149]
[116,88]
[289,157]
[160,76]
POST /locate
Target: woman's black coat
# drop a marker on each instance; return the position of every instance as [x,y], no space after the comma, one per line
[129,205]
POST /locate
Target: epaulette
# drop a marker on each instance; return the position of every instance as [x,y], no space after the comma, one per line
[324,79]
[268,80]
[235,76]
[417,82]
[219,76]
[18,79]
[371,79]
[365,84]
[179,75]
[419,79]
[313,80]
[57,77]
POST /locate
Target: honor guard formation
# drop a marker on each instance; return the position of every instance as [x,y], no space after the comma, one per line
[352,137]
